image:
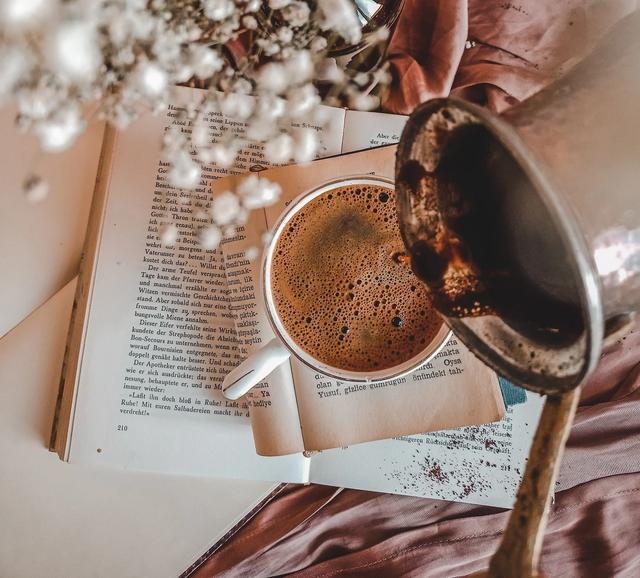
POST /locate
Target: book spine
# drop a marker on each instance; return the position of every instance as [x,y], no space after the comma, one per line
[63,413]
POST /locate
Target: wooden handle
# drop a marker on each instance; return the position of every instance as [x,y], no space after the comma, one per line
[519,552]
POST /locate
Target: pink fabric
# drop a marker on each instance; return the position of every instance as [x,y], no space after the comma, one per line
[519,47]
[320,532]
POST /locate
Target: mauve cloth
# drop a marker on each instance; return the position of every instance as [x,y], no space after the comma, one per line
[519,47]
[594,526]
[319,531]
[592,532]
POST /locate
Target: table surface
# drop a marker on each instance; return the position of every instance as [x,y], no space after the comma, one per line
[62,520]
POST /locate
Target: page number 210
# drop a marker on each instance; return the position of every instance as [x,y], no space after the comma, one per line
[122,427]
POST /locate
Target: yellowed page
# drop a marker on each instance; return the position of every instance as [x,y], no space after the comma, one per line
[452,390]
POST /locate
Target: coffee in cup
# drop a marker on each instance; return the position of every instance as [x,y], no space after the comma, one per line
[339,291]
[342,285]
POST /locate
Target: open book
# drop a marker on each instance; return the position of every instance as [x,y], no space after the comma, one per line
[154,332]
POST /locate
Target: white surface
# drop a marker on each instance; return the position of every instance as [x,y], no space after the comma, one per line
[40,244]
[59,520]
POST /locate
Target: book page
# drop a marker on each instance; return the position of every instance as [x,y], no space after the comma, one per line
[365,130]
[456,389]
[453,389]
[478,464]
[160,336]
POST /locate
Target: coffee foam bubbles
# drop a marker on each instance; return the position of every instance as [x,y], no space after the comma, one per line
[342,286]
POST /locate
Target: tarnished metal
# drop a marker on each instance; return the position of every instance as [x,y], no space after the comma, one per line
[577,148]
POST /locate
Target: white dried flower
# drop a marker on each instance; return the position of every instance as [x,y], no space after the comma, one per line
[249,22]
[242,86]
[278,4]
[273,77]
[73,50]
[318,44]
[260,129]
[168,234]
[270,107]
[284,34]
[210,237]
[204,61]
[225,208]
[218,9]
[279,149]
[151,79]
[329,71]
[61,130]
[380,34]
[253,5]
[184,172]
[35,188]
[119,29]
[222,154]
[23,14]
[361,79]
[269,46]
[14,65]
[340,16]
[241,219]
[251,253]
[381,76]
[200,134]
[300,66]
[236,106]
[306,145]
[257,192]
[301,100]
[297,14]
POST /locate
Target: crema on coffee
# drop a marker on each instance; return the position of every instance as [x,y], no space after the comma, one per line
[342,286]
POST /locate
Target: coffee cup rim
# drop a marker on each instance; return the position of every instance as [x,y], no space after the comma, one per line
[436,344]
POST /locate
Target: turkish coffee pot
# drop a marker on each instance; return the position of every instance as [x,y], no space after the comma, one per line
[525,227]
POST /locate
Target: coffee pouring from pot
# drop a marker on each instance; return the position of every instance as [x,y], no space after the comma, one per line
[525,227]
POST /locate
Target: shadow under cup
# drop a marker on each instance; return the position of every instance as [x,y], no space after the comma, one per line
[436,339]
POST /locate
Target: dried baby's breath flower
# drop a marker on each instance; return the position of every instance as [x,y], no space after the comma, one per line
[279,149]
[257,192]
[296,13]
[251,253]
[340,17]
[305,145]
[225,208]
[263,64]
[210,237]
[168,234]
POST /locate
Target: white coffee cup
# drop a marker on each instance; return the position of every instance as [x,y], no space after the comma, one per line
[263,361]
